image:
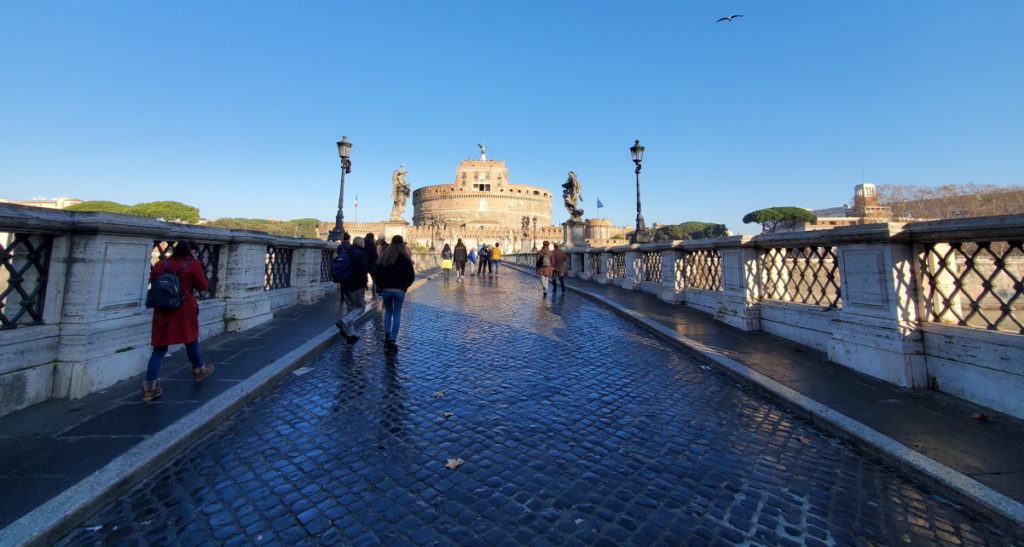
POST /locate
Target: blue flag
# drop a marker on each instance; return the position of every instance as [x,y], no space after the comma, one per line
[599,204]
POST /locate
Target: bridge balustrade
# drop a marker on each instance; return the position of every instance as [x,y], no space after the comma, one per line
[73,284]
[937,305]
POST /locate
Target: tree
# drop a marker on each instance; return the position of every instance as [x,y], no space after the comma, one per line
[772,218]
[99,205]
[689,230]
[167,210]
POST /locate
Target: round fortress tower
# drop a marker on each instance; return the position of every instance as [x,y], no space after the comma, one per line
[482,197]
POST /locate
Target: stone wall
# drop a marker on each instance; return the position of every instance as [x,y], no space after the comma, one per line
[73,313]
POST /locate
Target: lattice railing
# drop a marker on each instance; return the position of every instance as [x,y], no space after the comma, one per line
[594,266]
[24,272]
[974,284]
[651,262]
[208,255]
[278,271]
[704,269]
[617,266]
[806,275]
[326,259]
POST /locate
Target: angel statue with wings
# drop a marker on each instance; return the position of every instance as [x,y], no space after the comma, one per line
[399,193]
[571,193]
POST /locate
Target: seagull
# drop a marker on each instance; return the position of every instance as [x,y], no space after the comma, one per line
[729,18]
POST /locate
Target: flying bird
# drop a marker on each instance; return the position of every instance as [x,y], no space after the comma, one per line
[729,18]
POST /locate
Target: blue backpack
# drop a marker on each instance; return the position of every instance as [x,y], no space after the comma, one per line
[341,267]
[165,291]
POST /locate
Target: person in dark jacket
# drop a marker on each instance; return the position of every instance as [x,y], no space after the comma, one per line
[353,288]
[460,257]
[177,325]
[370,246]
[394,274]
[483,257]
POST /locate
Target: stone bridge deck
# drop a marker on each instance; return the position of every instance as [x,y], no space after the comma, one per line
[573,426]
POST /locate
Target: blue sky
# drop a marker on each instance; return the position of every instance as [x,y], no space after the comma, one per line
[234,107]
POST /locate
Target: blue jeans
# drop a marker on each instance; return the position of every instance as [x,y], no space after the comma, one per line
[392,300]
[495,262]
[153,369]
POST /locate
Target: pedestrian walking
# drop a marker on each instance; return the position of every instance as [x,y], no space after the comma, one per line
[544,265]
[353,287]
[180,324]
[370,247]
[460,256]
[472,260]
[558,260]
[483,260]
[495,258]
[394,274]
[446,261]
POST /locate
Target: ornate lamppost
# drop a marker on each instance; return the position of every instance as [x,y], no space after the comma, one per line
[344,149]
[640,234]
[534,234]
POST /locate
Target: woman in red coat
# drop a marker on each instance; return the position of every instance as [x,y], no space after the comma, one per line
[177,325]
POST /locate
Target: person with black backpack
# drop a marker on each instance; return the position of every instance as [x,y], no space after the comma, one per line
[175,313]
[349,270]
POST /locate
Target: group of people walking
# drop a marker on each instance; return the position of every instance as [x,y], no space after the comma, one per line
[486,258]
[551,266]
[388,266]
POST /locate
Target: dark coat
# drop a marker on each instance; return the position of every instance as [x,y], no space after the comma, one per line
[181,324]
[460,253]
[399,275]
[360,268]
[371,252]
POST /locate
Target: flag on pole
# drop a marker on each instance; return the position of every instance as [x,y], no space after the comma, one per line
[599,204]
[356,202]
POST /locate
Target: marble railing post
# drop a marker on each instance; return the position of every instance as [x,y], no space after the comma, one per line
[247,304]
[877,329]
[634,269]
[667,291]
[738,300]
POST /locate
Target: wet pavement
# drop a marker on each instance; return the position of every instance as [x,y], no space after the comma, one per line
[573,426]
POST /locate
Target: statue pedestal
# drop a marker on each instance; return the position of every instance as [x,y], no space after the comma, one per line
[574,233]
[394,228]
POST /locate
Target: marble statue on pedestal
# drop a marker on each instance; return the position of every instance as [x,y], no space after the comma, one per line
[399,193]
[571,193]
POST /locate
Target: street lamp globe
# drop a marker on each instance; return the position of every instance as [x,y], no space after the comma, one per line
[638,153]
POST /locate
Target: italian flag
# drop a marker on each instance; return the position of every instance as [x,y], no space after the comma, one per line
[356,202]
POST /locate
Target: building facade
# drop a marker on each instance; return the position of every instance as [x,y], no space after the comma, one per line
[481,197]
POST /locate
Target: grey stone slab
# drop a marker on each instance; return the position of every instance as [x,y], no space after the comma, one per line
[75,458]
[30,492]
[134,418]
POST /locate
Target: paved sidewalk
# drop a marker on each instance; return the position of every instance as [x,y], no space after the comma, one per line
[978,462]
[59,460]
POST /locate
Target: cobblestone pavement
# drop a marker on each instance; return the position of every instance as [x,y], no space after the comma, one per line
[574,426]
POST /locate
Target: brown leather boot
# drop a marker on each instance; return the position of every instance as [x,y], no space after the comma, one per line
[151,390]
[202,372]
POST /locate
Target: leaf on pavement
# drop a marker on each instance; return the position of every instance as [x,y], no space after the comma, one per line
[979,416]
[438,394]
[454,462]
[447,414]
[805,440]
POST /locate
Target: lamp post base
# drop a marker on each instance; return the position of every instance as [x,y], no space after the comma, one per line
[335,235]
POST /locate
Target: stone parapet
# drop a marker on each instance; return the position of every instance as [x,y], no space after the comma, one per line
[85,325]
[935,304]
